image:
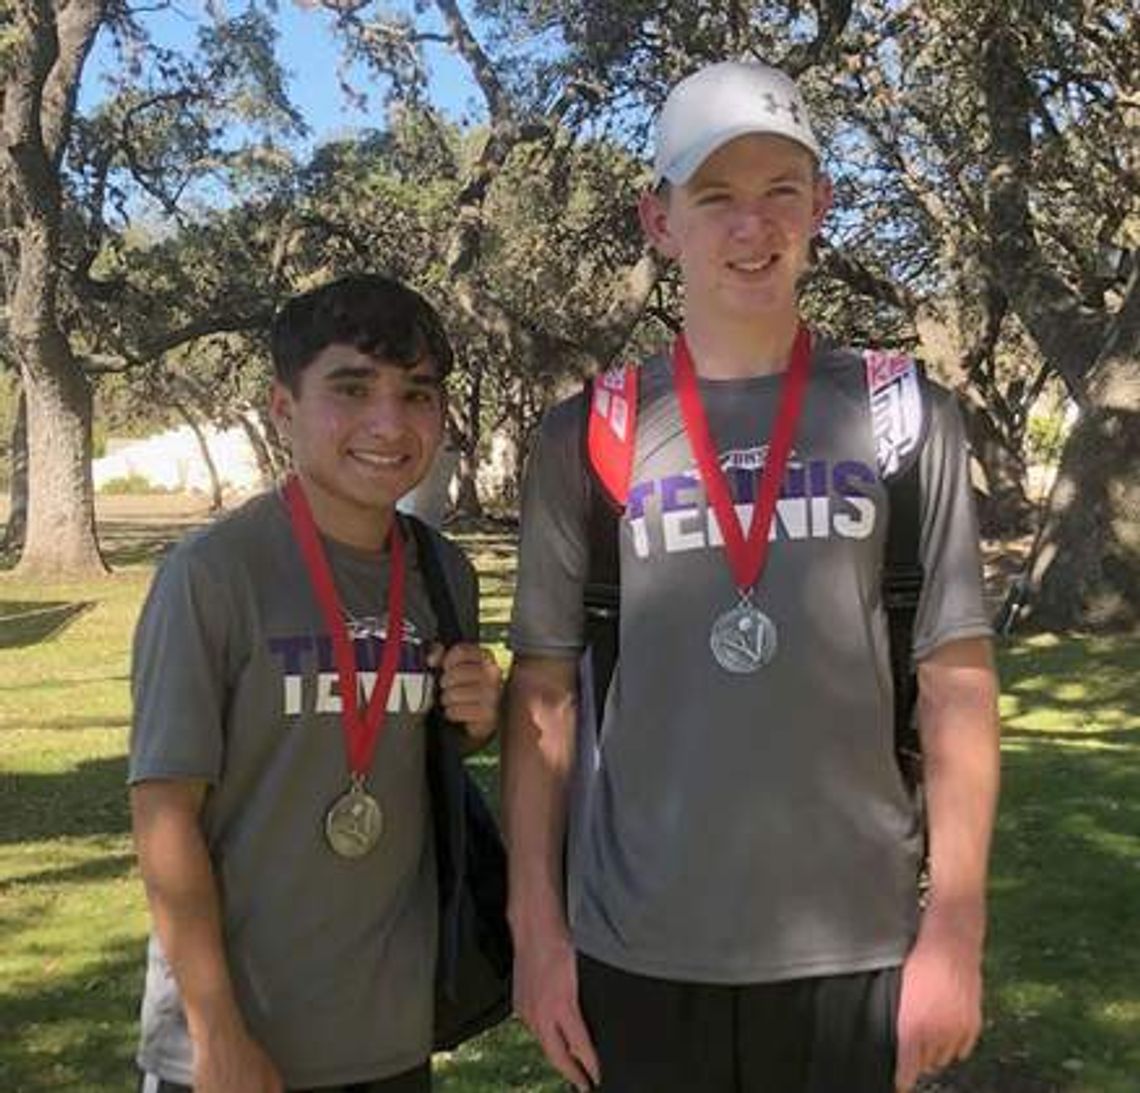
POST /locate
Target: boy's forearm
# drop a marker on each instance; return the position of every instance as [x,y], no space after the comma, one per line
[183,896]
[538,755]
[958,722]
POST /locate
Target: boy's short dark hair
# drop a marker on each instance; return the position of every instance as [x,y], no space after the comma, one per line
[376,315]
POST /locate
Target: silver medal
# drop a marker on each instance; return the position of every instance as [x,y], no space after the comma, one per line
[353,823]
[743,639]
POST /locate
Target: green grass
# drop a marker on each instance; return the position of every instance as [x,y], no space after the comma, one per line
[1064,968]
[1064,964]
[71,913]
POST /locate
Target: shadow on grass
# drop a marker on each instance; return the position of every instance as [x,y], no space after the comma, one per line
[75,721]
[89,800]
[74,1032]
[129,542]
[109,867]
[29,622]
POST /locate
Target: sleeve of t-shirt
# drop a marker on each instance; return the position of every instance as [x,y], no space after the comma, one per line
[951,606]
[178,675]
[548,617]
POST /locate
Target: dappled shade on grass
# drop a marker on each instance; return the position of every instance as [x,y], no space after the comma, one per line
[1064,973]
[1064,970]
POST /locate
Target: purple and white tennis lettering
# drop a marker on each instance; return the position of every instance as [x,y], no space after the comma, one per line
[818,500]
[311,683]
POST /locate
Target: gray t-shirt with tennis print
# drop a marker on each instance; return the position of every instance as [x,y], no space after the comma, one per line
[746,827]
[235,683]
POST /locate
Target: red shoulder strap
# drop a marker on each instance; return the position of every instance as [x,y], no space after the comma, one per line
[899,416]
[612,429]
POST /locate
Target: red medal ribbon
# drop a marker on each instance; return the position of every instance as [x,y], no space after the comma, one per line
[746,554]
[360,732]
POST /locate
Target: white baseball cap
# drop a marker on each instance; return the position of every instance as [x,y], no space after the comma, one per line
[719,103]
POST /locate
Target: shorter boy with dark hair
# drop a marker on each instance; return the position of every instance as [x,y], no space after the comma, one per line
[284,664]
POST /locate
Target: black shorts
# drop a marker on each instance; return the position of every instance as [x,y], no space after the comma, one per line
[410,1081]
[834,1034]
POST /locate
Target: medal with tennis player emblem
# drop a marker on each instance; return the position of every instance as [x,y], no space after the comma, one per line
[354,822]
[743,639]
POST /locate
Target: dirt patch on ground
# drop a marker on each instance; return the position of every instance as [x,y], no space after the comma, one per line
[150,508]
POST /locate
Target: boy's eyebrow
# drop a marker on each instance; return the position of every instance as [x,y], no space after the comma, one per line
[351,372]
[425,379]
[368,371]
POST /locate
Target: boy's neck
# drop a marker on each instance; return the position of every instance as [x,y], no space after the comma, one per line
[725,351]
[351,525]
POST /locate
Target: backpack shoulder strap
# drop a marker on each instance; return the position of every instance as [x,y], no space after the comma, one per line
[609,436]
[898,397]
[900,414]
[611,429]
[438,587]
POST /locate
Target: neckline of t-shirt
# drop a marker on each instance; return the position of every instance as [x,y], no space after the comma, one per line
[826,356]
[337,551]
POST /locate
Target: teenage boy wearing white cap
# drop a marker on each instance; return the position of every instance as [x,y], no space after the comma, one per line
[739,910]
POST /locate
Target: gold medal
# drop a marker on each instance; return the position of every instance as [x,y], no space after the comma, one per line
[354,822]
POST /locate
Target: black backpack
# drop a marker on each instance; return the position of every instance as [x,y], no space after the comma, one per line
[473,968]
[902,568]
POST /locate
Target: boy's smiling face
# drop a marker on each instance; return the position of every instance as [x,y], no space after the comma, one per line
[741,228]
[363,433]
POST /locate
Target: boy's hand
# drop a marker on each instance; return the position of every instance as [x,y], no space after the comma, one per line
[470,685]
[940,1011]
[546,1000]
[233,1062]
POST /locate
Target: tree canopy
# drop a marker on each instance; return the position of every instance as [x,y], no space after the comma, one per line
[987,169]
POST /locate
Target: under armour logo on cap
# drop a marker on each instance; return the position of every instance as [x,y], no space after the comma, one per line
[719,103]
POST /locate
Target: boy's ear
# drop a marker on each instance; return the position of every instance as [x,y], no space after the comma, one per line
[281,406]
[653,212]
[822,196]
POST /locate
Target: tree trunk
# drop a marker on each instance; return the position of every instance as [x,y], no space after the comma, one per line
[17,526]
[60,540]
[1004,509]
[1086,571]
[48,49]
[266,465]
[216,500]
[467,501]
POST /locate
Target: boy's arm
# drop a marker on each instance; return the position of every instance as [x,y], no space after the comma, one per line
[183,897]
[538,754]
[940,1009]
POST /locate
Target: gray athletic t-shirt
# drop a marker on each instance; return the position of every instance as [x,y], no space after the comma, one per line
[746,827]
[234,682]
